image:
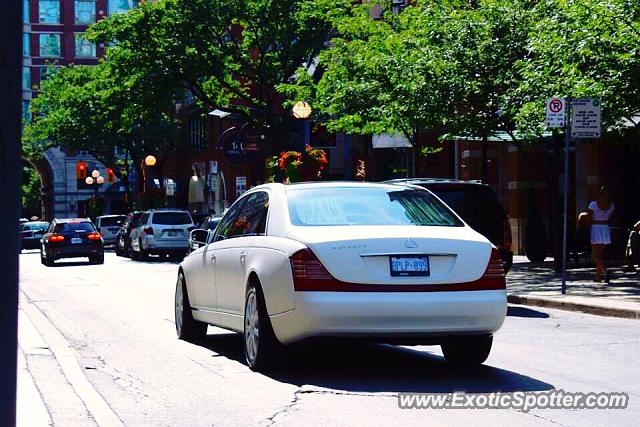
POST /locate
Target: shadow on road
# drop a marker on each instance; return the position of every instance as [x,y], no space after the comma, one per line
[378,368]
[526,312]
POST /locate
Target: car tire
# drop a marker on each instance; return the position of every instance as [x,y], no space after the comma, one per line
[261,346]
[127,250]
[97,259]
[117,249]
[46,261]
[187,328]
[143,254]
[467,351]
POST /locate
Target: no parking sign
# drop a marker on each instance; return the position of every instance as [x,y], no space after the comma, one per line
[556,112]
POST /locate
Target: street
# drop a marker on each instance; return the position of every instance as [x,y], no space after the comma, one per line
[118,320]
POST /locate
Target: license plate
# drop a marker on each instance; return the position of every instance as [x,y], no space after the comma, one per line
[409,265]
[76,240]
[173,233]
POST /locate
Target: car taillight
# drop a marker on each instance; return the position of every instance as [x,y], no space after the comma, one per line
[56,238]
[308,272]
[310,275]
[93,236]
[148,230]
[506,234]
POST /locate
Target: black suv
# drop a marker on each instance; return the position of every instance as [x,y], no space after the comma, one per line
[477,205]
[71,238]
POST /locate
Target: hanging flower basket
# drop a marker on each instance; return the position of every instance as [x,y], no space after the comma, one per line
[305,166]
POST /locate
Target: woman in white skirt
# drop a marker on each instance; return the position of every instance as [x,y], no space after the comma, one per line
[599,212]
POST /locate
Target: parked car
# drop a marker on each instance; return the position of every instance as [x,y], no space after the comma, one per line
[123,242]
[390,263]
[477,205]
[161,232]
[108,226]
[31,232]
[200,235]
[71,238]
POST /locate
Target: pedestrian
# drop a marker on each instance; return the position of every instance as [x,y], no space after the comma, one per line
[600,211]
[632,251]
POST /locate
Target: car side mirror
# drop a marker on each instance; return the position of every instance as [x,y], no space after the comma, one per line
[199,238]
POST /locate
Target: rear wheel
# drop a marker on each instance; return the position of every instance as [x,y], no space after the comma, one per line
[46,260]
[187,328]
[467,351]
[97,259]
[143,254]
[118,249]
[261,347]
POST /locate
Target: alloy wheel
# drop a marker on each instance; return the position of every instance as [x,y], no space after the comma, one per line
[251,326]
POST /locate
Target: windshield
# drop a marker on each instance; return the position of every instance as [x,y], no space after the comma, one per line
[34,226]
[68,227]
[110,221]
[368,206]
[171,218]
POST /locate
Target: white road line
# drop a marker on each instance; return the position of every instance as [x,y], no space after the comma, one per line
[68,360]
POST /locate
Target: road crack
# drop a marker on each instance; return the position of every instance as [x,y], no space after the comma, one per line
[298,394]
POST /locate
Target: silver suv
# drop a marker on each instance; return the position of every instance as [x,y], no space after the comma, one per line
[108,226]
[162,232]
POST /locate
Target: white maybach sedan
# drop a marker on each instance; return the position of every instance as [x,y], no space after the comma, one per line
[383,262]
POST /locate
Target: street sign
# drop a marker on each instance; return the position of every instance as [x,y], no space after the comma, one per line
[556,112]
[586,118]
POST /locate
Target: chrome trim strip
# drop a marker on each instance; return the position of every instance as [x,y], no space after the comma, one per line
[405,254]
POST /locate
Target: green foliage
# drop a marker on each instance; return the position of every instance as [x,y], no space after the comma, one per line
[30,191]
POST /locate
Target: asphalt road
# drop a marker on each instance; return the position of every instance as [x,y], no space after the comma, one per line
[118,319]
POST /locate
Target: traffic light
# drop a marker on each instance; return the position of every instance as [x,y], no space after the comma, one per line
[111,176]
[81,170]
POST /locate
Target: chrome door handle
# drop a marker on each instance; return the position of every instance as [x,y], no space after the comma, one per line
[243,256]
[213,258]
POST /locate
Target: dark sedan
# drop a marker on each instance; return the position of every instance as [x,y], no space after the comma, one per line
[72,238]
[31,232]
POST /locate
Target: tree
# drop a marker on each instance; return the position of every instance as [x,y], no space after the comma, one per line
[226,53]
[93,109]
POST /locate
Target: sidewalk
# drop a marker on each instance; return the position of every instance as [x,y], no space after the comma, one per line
[538,285]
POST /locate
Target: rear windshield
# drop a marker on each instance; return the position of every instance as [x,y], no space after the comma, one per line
[34,226]
[171,218]
[110,221]
[367,206]
[68,227]
[470,201]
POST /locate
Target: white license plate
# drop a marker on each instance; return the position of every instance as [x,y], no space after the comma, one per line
[76,240]
[409,265]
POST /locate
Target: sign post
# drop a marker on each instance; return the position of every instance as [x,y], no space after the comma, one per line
[585,122]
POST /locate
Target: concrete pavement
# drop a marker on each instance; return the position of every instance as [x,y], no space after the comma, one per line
[536,284]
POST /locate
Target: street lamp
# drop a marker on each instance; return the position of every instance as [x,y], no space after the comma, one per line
[150,160]
[95,180]
[302,110]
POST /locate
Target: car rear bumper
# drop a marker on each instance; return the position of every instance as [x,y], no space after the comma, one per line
[30,243]
[391,315]
[165,245]
[74,251]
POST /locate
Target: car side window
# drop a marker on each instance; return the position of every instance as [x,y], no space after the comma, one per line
[227,224]
[253,217]
[143,219]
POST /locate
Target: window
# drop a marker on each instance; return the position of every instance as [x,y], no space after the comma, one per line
[49,44]
[143,219]
[26,114]
[253,217]
[226,226]
[70,227]
[116,6]
[367,206]
[84,11]
[26,49]
[25,11]
[26,78]
[49,11]
[84,48]
[171,218]
[197,132]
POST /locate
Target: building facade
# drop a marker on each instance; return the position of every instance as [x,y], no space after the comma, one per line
[53,37]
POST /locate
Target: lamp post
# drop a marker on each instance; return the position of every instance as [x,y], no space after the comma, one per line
[95,181]
[148,162]
[302,110]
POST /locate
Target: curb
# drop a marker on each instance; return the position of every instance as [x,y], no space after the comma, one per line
[598,310]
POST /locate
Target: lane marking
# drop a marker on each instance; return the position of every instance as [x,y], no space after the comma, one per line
[68,360]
